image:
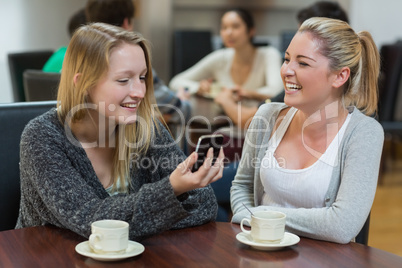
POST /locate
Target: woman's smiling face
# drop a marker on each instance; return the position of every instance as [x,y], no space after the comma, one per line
[306,75]
[119,92]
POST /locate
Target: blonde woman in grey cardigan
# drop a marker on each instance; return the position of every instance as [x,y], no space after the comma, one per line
[102,154]
[316,158]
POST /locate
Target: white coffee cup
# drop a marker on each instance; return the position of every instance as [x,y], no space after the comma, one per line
[266,226]
[109,236]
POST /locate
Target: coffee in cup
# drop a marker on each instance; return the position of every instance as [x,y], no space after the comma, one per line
[109,236]
[266,226]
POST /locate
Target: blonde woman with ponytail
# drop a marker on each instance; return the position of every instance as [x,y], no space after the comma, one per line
[319,152]
[102,154]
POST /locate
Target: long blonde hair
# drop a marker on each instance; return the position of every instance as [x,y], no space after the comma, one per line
[88,55]
[344,48]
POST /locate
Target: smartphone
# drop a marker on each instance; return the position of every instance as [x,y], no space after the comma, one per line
[204,143]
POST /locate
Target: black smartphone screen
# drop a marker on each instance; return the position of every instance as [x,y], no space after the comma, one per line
[204,143]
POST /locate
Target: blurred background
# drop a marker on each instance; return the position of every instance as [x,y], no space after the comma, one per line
[42,24]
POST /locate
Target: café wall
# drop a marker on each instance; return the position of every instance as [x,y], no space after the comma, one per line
[42,24]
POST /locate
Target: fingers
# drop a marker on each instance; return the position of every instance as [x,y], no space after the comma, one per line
[219,164]
[219,160]
[187,164]
[211,172]
[208,160]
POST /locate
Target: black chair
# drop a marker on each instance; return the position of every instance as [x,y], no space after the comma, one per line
[189,46]
[40,86]
[19,62]
[13,118]
[362,237]
[389,84]
[389,89]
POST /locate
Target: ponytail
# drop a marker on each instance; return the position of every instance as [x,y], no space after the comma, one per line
[366,97]
[344,48]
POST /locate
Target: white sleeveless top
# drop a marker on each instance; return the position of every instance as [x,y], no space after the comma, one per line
[297,188]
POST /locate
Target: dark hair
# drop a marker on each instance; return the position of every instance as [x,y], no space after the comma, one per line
[77,19]
[109,11]
[245,16]
[326,9]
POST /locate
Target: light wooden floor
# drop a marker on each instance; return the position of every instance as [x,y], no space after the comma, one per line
[386,214]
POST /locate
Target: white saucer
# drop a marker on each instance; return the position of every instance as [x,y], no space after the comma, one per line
[288,240]
[133,249]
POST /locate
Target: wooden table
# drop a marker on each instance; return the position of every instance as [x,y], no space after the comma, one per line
[209,245]
[206,112]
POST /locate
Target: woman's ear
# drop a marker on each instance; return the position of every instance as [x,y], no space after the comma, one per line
[127,24]
[76,78]
[341,77]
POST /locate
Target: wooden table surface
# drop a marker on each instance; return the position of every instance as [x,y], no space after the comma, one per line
[209,245]
[206,112]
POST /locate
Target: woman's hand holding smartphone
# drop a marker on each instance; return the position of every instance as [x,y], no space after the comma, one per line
[204,143]
[201,168]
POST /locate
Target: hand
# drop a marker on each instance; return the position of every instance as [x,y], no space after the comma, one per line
[224,96]
[183,94]
[240,92]
[205,87]
[183,180]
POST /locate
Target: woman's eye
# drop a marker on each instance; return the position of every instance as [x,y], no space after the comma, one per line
[286,60]
[125,80]
[143,77]
[303,64]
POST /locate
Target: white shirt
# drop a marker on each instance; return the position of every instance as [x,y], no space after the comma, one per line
[300,188]
[264,76]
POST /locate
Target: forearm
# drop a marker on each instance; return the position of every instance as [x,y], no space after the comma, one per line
[202,207]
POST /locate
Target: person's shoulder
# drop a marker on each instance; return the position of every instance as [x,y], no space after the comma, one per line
[61,51]
[55,62]
[271,108]
[364,123]
[223,52]
[42,123]
[219,57]
[268,50]
[160,133]
[267,114]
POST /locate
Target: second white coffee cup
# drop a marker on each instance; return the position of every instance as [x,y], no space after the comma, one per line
[266,226]
[109,236]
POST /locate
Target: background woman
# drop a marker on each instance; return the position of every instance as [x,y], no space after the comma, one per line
[102,154]
[241,70]
[318,154]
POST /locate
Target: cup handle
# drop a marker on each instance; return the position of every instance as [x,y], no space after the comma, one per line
[92,239]
[241,225]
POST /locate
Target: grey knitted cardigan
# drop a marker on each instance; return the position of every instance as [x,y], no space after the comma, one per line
[60,187]
[351,190]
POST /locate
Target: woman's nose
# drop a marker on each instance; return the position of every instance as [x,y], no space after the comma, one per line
[137,90]
[227,31]
[287,69]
